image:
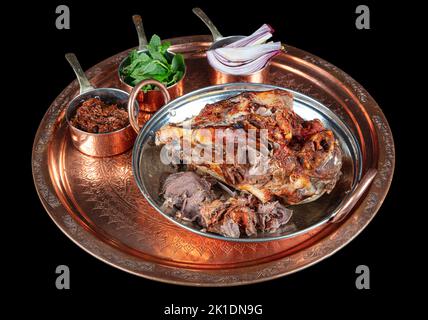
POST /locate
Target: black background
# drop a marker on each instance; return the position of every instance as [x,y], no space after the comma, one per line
[100,29]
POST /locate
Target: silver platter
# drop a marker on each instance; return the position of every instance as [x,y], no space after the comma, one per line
[149,171]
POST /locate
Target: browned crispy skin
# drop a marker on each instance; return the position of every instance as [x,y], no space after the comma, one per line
[304,158]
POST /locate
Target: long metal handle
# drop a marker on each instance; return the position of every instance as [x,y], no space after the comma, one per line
[132,111]
[84,83]
[216,34]
[142,39]
[353,198]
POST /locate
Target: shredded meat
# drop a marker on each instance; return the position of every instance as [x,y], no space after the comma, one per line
[238,216]
[231,218]
[95,116]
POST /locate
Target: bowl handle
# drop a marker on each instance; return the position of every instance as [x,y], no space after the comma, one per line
[201,15]
[142,40]
[133,111]
[353,198]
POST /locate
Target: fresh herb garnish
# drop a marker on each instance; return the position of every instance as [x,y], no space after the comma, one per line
[156,63]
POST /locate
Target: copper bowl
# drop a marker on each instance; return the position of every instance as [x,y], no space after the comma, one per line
[151,100]
[98,144]
[218,77]
[101,144]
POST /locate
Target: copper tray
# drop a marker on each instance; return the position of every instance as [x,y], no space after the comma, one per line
[97,204]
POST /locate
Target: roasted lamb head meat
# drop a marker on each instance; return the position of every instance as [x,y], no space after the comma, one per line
[256,143]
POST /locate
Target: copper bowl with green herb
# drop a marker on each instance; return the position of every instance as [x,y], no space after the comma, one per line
[156,62]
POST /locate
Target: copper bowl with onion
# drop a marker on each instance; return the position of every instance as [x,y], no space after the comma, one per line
[219,41]
[218,77]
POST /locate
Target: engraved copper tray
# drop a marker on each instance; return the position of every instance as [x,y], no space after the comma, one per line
[97,204]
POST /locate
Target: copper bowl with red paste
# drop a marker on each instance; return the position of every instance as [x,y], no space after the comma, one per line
[99,122]
[97,116]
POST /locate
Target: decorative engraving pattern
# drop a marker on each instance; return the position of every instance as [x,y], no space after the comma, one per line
[387,142]
[360,92]
[105,188]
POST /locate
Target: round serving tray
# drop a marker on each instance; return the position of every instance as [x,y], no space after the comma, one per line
[97,204]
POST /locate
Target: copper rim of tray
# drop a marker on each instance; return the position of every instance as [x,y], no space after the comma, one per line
[215,262]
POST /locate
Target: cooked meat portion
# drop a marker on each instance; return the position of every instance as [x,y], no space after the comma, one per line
[230,218]
[289,158]
[272,216]
[186,191]
[96,116]
[242,215]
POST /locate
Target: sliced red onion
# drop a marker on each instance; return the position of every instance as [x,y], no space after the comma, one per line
[261,35]
[243,69]
[248,53]
[225,61]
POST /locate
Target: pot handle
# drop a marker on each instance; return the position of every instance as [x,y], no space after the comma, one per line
[84,83]
[142,39]
[133,111]
[201,15]
[353,198]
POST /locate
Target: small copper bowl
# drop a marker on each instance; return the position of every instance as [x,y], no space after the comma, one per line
[152,100]
[218,77]
[98,144]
